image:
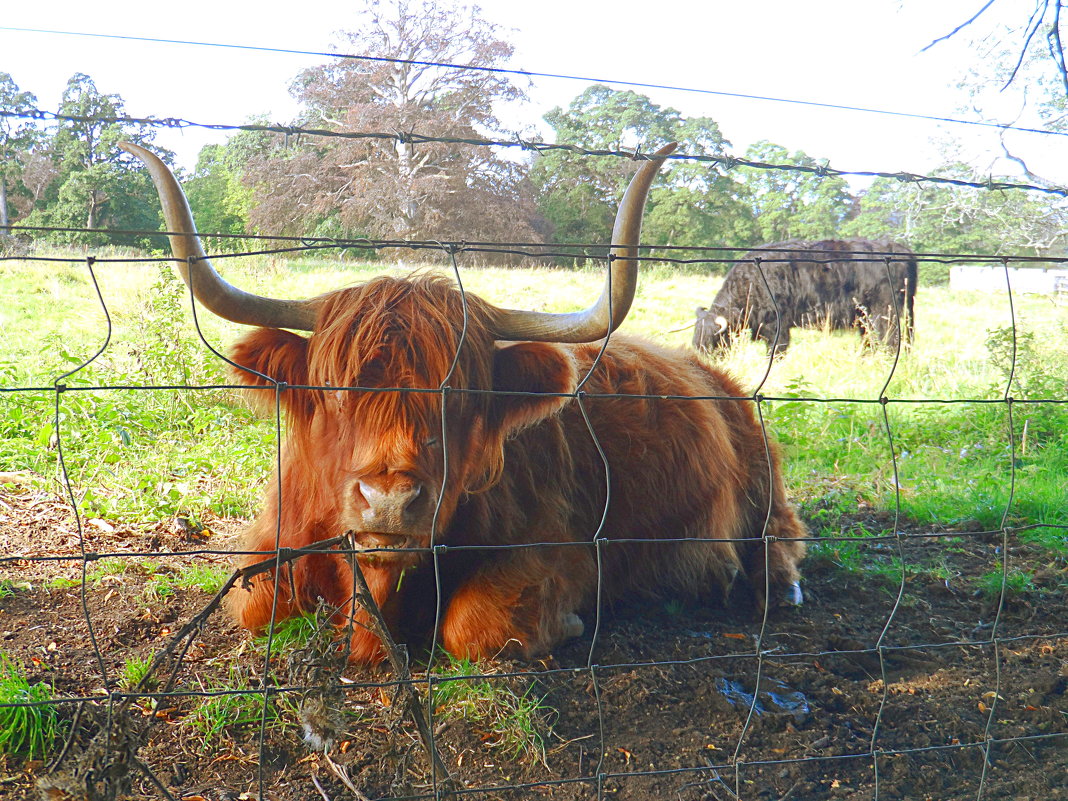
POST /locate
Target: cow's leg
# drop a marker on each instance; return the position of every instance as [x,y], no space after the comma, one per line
[767,334]
[784,339]
[254,606]
[299,585]
[522,606]
[382,579]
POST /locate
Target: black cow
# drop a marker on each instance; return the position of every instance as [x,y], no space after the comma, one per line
[840,283]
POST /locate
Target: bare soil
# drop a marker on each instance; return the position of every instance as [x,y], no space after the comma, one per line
[871,690]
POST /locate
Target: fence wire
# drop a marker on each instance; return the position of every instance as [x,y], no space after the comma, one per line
[110,726]
[724,161]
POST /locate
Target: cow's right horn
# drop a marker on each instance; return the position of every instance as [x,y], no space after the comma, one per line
[208,286]
[605,315]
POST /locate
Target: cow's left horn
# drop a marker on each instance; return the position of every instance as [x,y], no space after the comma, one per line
[604,316]
[208,286]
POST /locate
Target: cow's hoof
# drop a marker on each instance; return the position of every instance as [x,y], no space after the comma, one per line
[792,595]
[573,626]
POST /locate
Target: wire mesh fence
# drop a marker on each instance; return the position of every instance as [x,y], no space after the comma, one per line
[929,659]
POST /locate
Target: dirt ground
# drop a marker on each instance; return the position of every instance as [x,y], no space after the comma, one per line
[939,692]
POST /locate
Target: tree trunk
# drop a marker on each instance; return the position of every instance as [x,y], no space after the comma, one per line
[4,220]
[94,206]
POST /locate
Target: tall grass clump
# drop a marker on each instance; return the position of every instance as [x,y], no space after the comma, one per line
[136,444]
[941,448]
[29,724]
[511,721]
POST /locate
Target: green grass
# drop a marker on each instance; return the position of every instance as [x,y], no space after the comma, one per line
[160,582]
[30,729]
[292,634]
[8,588]
[513,722]
[134,670]
[203,577]
[140,455]
[230,707]
[1015,583]
[112,568]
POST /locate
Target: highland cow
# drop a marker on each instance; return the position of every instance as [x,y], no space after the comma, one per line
[834,283]
[447,439]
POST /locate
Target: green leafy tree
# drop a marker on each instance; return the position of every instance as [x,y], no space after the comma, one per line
[789,204]
[694,203]
[96,184]
[18,135]
[220,201]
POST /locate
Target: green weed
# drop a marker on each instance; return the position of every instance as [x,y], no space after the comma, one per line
[674,606]
[29,725]
[291,634]
[204,577]
[134,670]
[231,705]
[8,587]
[514,722]
[1016,582]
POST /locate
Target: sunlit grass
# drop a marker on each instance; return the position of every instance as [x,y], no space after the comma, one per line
[515,722]
[146,454]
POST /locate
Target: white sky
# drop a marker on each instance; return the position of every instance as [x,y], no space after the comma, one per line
[847,52]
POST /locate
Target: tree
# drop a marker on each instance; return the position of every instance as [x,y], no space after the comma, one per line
[693,203]
[791,204]
[17,138]
[396,187]
[220,201]
[938,218]
[96,184]
[1016,76]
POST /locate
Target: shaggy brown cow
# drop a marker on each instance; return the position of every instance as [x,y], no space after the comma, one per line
[479,472]
[840,283]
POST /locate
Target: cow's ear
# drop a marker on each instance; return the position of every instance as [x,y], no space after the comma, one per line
[544,374]
[270,353]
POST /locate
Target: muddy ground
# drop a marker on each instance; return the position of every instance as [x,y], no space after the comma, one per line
[967,697]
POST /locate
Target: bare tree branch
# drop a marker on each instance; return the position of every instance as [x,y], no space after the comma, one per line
[960,27]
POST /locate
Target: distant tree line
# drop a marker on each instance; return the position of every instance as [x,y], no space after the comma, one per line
[67,176]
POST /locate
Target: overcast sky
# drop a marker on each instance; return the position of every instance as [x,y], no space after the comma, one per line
[862,53]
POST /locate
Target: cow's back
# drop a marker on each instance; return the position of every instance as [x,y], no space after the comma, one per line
[687,460]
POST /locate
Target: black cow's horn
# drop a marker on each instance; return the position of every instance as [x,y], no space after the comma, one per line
[238,306]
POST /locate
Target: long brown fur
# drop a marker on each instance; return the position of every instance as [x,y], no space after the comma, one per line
[523,468]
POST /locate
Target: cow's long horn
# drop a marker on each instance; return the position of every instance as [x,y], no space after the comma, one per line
[608,312]
[208,286]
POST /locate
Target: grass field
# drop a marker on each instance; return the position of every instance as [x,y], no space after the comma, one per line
[149,431]
[137,453]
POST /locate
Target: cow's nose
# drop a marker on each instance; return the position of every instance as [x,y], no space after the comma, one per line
[389,508]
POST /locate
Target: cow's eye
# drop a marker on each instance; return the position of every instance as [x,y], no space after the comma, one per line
[433,442]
